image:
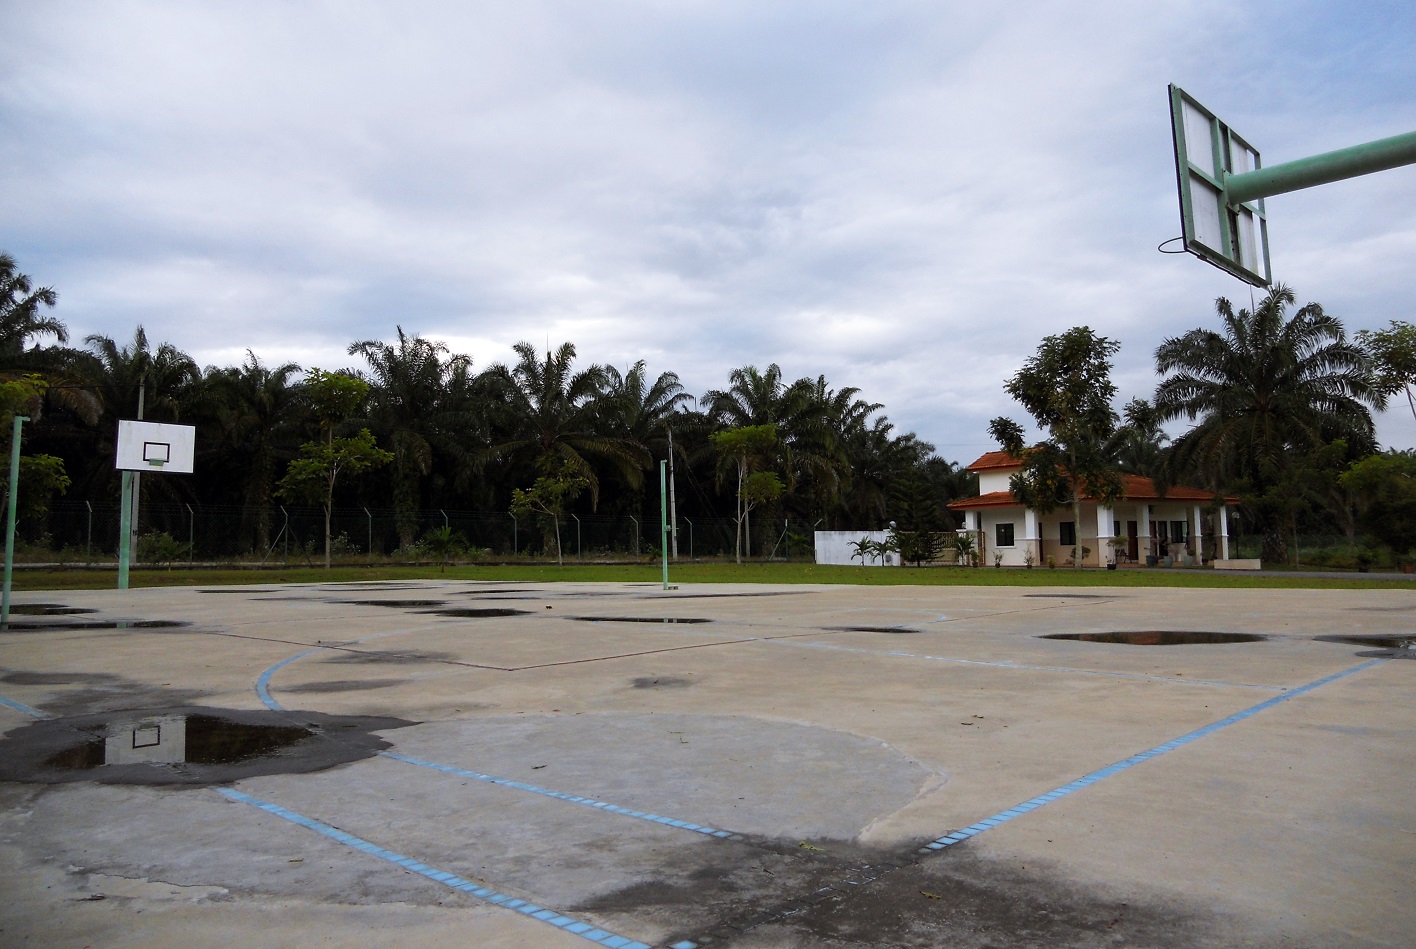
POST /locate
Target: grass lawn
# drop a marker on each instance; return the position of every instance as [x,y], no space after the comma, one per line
[783,573]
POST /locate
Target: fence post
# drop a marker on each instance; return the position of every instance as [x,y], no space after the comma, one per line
[577,537]
[690,538]
[513,534]
[371,534]
[88,545]
[191,534]
[446,525]
[285,529]
[636,534]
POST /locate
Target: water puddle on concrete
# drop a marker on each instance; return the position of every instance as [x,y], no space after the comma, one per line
[1402,645]
[185,745]
[897,630]
[47,609]
[477,612]
[1160,638]
[394,604]
[104,624]
[639,619]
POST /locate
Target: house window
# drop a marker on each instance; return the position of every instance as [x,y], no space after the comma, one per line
[1069,533]
[1003,535]
[1178,533]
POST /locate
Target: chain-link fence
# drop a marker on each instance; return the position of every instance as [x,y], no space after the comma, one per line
[87,532]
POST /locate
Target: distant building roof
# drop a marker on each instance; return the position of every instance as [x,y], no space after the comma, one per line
[1134,488]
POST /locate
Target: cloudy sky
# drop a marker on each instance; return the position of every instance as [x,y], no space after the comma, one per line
[902,196]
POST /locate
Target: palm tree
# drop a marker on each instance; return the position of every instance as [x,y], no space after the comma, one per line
[551,416]
[20,316]
[1265,390]
[419,401]
[259,412]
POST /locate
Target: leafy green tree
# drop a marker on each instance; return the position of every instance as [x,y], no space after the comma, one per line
[1067,389]
[916,515]
[548,496]
[1392,352]
[1264,391]
[312,477]
[41,476]
[1385,486]
[745,449]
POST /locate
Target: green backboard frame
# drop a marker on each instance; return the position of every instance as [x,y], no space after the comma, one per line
[1231,236]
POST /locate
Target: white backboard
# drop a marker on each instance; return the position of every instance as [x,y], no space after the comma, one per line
[155,446]
[1233,237]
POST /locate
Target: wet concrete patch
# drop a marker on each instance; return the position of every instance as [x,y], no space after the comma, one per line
[47,609]
[343,685]
[57,678]
[660,682]
[869,629]
[186,745]
[400,658]
[1070,596]
[958,900]
[640,619]
[394,604]
[1160,638]
[476,612]
[30,627]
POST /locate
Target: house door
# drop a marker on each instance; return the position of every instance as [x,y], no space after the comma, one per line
[1133,548]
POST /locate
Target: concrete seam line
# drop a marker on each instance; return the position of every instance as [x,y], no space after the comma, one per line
[451,880]
[1017,810]
[572,798]
[24,709]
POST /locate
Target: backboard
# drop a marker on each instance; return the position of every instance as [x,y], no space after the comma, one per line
[155,446]
[1233,237]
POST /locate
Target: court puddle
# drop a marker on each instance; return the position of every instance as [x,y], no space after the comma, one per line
[639,619]
[1160,638]
[1400,645]
[97,624]
[895,630]
[185,745]
[477,612]
[394,604]
[47,609]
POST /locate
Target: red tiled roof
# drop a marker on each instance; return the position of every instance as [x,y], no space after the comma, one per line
[994,459]
[1134,488]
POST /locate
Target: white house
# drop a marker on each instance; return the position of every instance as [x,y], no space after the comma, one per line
[1177,527]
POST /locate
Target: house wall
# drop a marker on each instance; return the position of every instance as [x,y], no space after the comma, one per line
[994,480]
[1100,550]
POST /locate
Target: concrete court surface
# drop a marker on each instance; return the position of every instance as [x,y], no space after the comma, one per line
[788,773]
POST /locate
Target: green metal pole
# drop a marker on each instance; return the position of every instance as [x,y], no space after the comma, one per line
[1321,169]
[125,526]
[664,520]
[10,520]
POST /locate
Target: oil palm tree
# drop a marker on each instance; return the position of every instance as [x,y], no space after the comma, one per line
[21,314]
[550,420]
[420,405]
[259,413]
[1263,390]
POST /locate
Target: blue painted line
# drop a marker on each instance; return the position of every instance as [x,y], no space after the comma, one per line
[24,709]
[958,836]
[531,910]
[263,683]
[562,796]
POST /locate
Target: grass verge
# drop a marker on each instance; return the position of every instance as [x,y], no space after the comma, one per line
[779,573]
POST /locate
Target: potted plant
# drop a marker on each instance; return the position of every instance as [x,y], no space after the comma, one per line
[1051,562]
[998,558]
[1365,559]
[1029,558]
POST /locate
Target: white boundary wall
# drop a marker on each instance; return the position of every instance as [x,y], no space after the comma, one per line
[835,547]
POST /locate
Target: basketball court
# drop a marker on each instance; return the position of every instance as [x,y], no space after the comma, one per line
[571,764]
